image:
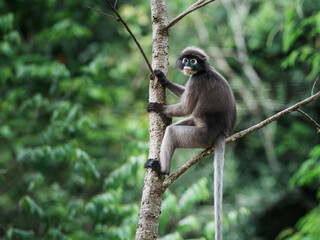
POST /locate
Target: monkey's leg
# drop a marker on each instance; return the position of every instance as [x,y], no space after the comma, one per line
[186,122]
[154,163]
[177,136]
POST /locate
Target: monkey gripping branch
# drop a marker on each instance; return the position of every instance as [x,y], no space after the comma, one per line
[154,184]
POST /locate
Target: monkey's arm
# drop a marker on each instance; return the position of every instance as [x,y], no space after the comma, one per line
[158,108]
[173,87]
[175,110]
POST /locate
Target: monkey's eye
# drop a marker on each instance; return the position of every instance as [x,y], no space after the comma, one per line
[184,60]
[193,61]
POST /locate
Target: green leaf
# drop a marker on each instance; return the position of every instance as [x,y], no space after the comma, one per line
[309,172]
[169,210]
[6,22]
[105,207]
[291,31]
[189,224]
[194,194]
[43,71]
[28,204]
[83,156]
[209,230]
[15,233]
[128,173]
[172,236]
[309,224]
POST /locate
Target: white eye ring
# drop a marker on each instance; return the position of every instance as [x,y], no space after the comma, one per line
[193,61]
[184,60]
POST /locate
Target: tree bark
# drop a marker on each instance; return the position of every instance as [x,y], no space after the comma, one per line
[153,191]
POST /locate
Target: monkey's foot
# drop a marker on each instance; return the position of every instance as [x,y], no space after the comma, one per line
[167,120]
[154,164]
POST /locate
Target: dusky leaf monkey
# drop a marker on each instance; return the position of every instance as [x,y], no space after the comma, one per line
[209,98]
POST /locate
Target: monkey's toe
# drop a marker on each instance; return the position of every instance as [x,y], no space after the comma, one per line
[165,172]
[154,164]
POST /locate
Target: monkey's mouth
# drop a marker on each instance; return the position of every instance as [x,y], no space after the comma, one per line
[188,71]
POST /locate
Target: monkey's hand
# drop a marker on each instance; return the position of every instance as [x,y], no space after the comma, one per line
[155,107]
[159,108]
[161,77]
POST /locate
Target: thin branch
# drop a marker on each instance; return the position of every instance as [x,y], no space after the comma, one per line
[193,7]
[115,3]
[119,19]
[236,136]
[105,14]
[311,119]
[314,84]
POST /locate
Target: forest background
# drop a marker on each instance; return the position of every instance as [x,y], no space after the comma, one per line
[74,126]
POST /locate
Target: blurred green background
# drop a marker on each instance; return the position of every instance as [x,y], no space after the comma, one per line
[74,127]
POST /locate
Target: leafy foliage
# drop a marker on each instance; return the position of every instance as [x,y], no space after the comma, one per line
[308,174]
[74,131]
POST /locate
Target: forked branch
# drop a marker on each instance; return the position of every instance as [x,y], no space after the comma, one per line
[311,119]
[193,7]
[236,136]
[120,19]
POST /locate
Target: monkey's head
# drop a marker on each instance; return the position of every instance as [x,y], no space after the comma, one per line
[193,60]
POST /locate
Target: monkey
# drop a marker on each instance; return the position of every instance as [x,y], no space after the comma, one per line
[210,100]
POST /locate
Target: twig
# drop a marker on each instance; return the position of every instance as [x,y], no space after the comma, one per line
[105,14]
[311,119]
[314,84]
[236,136]
[132,35]
[193,7]
[119,19]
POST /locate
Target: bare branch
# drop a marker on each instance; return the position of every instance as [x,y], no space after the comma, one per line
[311,119]
[314,84]
[119,18]
[236,136]
[105,14]
[193,7]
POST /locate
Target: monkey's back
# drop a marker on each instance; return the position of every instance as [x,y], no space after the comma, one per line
[215,103]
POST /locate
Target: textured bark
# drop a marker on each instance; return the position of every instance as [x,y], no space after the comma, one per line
[153,191]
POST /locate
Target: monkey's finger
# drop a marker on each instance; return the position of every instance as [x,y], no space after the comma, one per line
[158,72]
[151,106]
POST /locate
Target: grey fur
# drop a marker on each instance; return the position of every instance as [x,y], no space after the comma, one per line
[218,186]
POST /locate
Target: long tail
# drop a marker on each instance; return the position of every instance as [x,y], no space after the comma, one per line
[218,183]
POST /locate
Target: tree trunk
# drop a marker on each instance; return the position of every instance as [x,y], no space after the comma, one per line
[153,191]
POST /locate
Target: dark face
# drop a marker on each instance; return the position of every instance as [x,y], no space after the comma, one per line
[190,64]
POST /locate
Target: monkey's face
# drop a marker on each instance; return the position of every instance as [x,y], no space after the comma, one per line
[190,65]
